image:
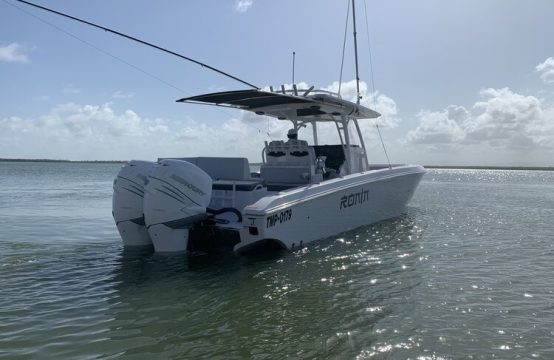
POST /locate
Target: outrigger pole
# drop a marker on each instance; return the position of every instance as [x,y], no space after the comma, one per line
[140,41]
[356,53]
[358,97]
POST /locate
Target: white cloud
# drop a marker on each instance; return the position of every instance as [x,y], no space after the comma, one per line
[437,128]
[503,117]
[383,104]
[70,89]
[89,132]
[503,127]
[13,52]
[502,121]
[122,95]
[74,131]
[243,5]
[546,70]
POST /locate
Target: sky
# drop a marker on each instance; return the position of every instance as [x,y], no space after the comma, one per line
[459,82]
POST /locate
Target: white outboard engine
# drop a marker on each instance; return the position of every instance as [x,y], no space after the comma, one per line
[176,197]
[128,194]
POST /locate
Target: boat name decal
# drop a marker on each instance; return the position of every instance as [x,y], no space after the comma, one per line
[353,199]
[278,218]
[187,184]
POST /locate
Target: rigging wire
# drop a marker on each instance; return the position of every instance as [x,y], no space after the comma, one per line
[373,85]
[121,60]
[344,45]
[370,55]
[383,143]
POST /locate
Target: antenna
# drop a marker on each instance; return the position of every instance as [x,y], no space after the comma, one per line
[293,58]
[356,53]
[139,41]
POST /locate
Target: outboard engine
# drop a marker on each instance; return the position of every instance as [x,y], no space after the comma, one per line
[128,194]
[176,197]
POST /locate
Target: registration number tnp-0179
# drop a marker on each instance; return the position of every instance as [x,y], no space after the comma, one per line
[278,218]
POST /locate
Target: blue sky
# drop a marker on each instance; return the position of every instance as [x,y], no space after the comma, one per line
[458,82]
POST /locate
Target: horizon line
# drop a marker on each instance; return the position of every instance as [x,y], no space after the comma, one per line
[476,167]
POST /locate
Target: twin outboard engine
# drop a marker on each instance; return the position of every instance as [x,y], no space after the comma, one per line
[176,196]
[128,194]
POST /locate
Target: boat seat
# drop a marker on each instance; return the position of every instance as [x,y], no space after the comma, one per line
[238,185]
[292,152]
[276,152]
[299,153]
[223,168]
[289,163]
[286,174]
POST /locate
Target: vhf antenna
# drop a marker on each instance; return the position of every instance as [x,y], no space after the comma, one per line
[293,60]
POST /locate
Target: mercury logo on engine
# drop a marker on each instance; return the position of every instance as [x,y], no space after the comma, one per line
[353,199]
[187,184]
[278,218]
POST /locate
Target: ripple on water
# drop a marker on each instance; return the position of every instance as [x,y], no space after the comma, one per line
[466,272]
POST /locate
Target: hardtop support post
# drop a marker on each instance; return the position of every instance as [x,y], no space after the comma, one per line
[366,161]
[346,146]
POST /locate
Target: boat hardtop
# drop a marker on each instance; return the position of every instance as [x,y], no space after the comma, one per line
[307,104]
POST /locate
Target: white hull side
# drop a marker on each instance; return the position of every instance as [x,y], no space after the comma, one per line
[299,216]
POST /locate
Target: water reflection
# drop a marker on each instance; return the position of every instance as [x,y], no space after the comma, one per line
[323,300]
[465,273]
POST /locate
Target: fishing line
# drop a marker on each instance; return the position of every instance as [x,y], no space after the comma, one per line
[140,42]
[118,58]
[97,48]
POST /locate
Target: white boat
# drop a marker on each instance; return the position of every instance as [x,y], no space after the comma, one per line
[302,193]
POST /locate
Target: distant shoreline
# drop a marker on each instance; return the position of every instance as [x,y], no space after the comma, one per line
[65,161]
[464,167]
[477,167]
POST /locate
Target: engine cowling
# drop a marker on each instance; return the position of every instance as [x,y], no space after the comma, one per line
[127,200]
[176,196]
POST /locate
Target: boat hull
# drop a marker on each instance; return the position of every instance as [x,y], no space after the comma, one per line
[296,217]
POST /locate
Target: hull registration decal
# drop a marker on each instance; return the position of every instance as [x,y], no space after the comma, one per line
[278,218]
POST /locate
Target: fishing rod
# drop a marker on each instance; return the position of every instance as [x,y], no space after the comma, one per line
[139,41]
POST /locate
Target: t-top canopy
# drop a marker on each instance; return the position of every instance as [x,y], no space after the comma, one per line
[316,107]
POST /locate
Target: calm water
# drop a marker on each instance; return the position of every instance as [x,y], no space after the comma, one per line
[466,273]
